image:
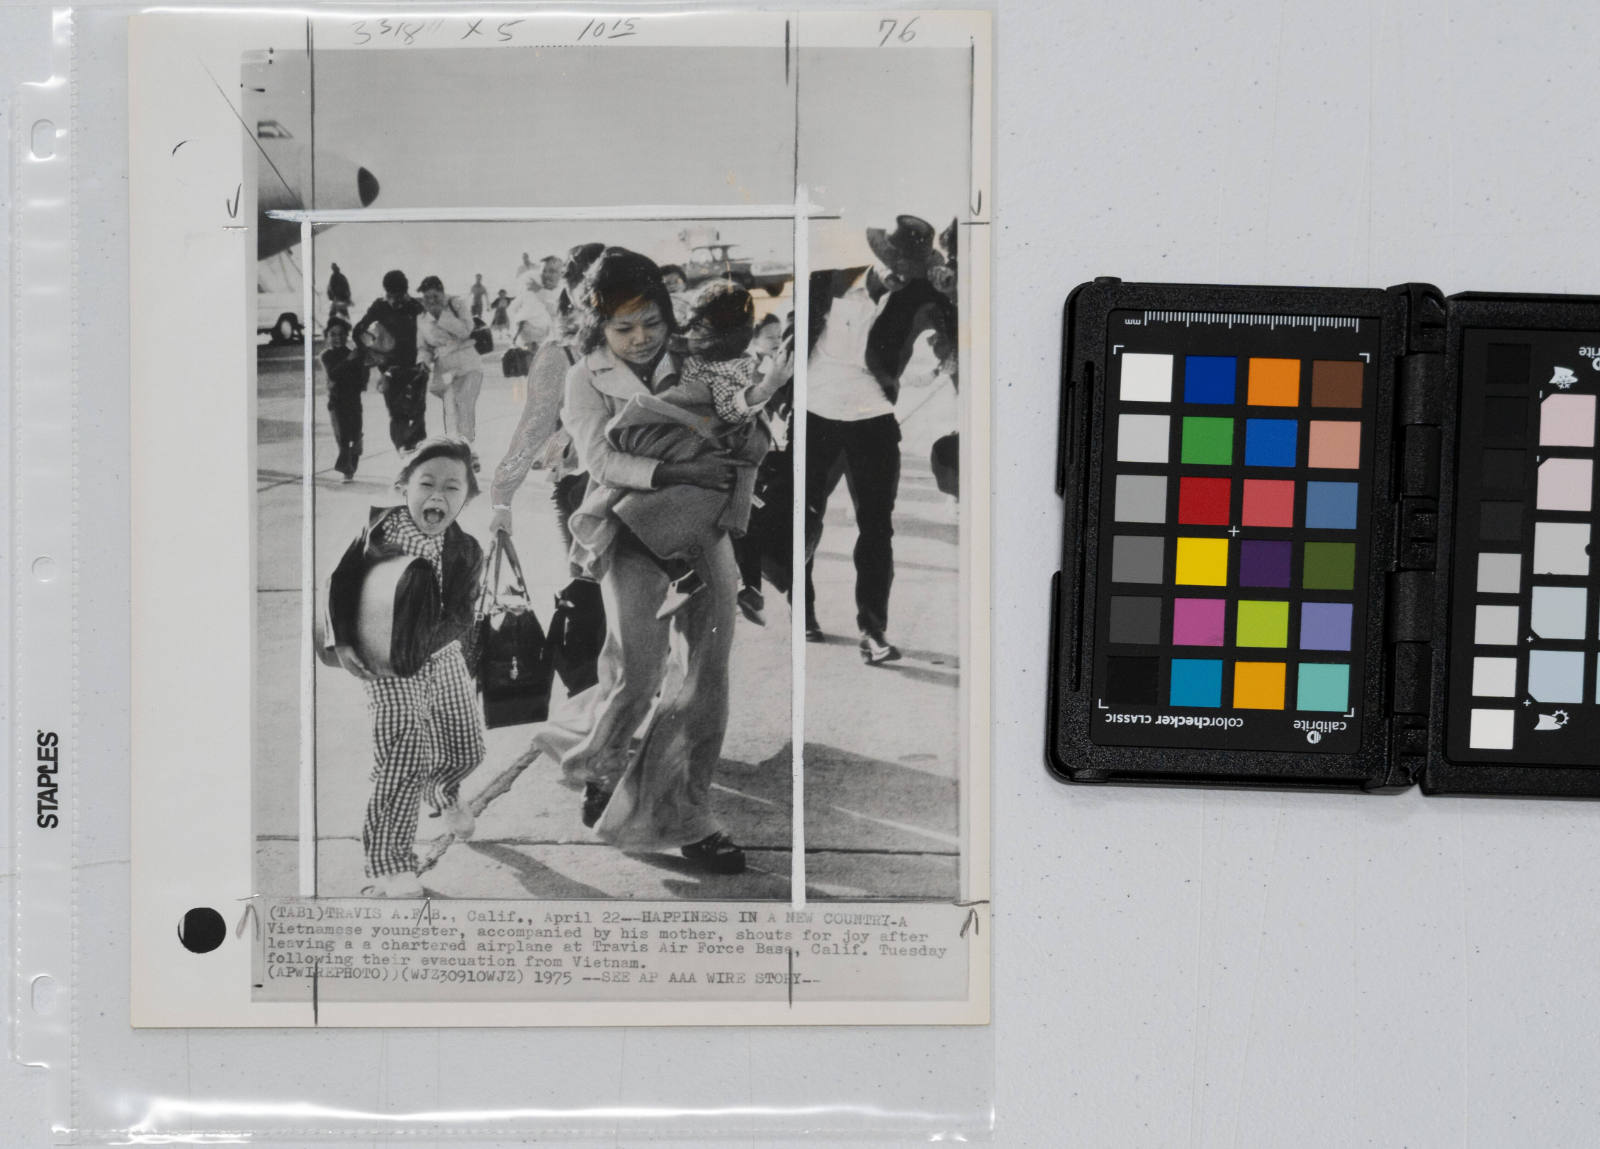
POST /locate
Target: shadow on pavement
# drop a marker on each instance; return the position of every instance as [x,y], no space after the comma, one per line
[868,805]
[539,880]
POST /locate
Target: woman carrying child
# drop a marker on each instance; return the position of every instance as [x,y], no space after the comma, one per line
[659,796]
[426,731]
[713,411]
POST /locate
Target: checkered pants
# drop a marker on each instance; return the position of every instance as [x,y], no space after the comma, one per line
[426,737]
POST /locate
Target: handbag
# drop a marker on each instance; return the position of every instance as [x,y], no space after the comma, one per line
[513,658]
[514,362]
[577,632]
[945,459]
[482,337]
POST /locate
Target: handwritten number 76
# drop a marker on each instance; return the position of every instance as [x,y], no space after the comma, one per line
[903,33]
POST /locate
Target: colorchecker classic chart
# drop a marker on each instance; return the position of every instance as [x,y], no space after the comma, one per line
[1329,537]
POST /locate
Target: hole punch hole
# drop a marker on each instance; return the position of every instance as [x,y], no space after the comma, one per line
[42,140]
[42,994]
[44,569]
[202,930]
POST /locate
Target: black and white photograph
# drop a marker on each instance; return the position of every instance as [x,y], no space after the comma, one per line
[594,417]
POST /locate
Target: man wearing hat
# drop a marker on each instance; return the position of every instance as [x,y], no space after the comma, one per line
[864,324]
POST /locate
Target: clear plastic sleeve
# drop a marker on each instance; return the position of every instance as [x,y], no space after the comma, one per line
[187,808]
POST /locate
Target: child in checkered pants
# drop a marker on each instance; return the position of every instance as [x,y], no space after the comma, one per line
[426,731]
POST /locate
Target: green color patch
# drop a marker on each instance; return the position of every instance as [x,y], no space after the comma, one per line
[1329,566]
[1262,624]
[1207,440]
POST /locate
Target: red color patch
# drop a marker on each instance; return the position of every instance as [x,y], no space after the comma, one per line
[1204,501]
[1269,502]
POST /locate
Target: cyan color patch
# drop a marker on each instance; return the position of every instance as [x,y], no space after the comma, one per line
[1196,682]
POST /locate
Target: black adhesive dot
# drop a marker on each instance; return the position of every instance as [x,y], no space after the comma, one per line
[202,930]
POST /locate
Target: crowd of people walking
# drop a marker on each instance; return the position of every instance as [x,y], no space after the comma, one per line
[661,415]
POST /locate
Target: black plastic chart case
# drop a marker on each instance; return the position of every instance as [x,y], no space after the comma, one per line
[1328,537]
[737,886]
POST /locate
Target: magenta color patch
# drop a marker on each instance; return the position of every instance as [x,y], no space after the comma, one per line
[1198,621]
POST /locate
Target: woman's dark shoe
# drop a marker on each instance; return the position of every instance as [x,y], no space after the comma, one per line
[716,853]
[595,798]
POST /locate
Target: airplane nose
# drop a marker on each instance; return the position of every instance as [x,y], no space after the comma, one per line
[366,186]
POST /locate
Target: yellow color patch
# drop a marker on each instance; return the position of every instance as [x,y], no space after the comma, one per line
[1258,685]
[1203,562]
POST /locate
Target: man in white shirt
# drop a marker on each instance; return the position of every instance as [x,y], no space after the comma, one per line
[533,314]
[864,323]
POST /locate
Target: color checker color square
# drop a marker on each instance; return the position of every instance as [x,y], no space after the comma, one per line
[1142,438]
[1274,383]
[1208,378]
[1262,624]
[1335,444]
[1202,562]
[1561,548]
[1505,420]
[1132,681]
[1329,566]
[1509,363]
[1555,675]
[1207,441]
[1493,729]
[1566,484]
[1258,685]
[1135,620]
[1560,612]
[1567,421]
[1137,558]
[1198,621]
[1331,506]
[1499,574]
[1141,499]
[1196,682]
[1325,625]
[1269,502]
[1146,378]
[1495,625]
[1265,562]
[1323,687]
[1270,442]
[1204,501]
[1494,677]
[1336,383]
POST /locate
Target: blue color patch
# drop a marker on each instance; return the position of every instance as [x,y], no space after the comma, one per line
[1331,506]
[1270,442]
[1209,378]
[1196,682]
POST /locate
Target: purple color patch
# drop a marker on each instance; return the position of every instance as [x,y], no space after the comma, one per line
[1264,562]
[1325,625]
[1198,621]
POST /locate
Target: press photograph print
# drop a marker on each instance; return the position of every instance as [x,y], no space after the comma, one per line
[618,507]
